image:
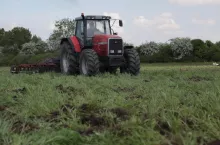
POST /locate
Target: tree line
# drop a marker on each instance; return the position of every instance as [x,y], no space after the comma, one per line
[19,45]
[180,50]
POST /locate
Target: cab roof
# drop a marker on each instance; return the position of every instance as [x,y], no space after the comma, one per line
[94,17]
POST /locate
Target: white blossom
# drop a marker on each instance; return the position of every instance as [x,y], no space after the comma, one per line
[181,47]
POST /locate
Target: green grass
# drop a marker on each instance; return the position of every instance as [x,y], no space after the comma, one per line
[166,103]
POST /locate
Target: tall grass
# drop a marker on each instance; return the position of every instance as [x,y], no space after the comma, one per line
[164,104]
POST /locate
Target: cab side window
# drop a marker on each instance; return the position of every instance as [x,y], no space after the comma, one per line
[79,29]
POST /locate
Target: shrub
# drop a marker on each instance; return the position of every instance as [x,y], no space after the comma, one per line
[181,47]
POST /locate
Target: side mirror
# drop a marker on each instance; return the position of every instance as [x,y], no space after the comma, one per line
[115,33]
[120,23]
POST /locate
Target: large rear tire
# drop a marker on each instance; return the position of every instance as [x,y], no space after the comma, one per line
[132,62]
[68,61]
[89,63]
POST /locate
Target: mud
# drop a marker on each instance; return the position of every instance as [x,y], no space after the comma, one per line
[70,90]
[198,79]
[201,141]
[134,97]
[188,122]
[21,127]
[172,143]
[125,89]
[65,126]
[147,81]
[144,116]
[20,90]
[6,113]
[121,113]
[120,131]
[93,111]
[3,108]
[115,129]
[53,116]
[163,128]
[94,120]
[15,98]
[184,69]
[216,142]
[87,132]
[90,114]
[173,139]
[66,107]
[90,108]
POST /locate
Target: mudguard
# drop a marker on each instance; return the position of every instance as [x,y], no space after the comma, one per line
[74,42]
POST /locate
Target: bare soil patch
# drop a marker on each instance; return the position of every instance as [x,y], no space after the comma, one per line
[198,79]
[70,90]
[23,127]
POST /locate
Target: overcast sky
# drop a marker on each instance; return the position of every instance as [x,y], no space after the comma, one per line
[144,20]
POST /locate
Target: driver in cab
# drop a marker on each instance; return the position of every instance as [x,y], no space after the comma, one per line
[92,30]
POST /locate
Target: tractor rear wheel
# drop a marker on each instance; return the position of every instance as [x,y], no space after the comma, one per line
[132,62]
[68,61]
[89,62]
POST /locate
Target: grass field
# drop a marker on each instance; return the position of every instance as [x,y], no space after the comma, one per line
[165,104]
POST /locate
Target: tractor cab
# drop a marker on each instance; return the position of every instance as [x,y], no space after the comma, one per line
[89,26]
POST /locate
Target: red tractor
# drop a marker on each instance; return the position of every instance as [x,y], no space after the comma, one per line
[95,48]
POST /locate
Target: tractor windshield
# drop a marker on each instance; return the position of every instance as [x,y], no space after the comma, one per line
[98,27]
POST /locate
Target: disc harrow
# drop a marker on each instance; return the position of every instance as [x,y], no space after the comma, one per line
[48,65]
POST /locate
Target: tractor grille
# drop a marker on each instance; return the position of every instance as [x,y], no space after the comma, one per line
[115,46]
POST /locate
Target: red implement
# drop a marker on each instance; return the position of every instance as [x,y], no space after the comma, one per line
[35,68]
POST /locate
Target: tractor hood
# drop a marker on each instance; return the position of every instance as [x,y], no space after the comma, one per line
[102,44]
[103,38]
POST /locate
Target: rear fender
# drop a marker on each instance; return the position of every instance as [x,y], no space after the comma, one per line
[74,43]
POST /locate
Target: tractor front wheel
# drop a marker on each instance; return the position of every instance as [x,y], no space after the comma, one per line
[89,62]
[132,62]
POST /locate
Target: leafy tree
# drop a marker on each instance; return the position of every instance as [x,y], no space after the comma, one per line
[13,49]
[218,44]
[2,33]
[7,40]
[211,51]
[28,48]
[17,36]
[150,48]
[181,47]
[34,48]
[20,36]
[209,43]
[200,48]
[35,39]
[63,28]
[165,53]
[41,47]
[1,48]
